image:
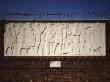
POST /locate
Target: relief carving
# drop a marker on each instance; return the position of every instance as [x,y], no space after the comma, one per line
[54,39]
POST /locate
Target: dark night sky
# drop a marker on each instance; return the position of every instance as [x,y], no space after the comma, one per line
[55,5]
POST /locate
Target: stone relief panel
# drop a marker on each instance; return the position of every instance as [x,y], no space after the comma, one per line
[54,39]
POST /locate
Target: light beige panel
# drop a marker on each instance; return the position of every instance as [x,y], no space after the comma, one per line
[54,39]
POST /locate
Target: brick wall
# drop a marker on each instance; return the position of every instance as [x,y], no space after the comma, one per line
[36,69]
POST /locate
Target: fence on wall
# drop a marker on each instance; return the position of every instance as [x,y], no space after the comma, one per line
[60,14]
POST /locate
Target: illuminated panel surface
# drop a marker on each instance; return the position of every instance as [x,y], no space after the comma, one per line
[55,63]
[54,39]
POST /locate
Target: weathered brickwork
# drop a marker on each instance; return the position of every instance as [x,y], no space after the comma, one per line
[37,69]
